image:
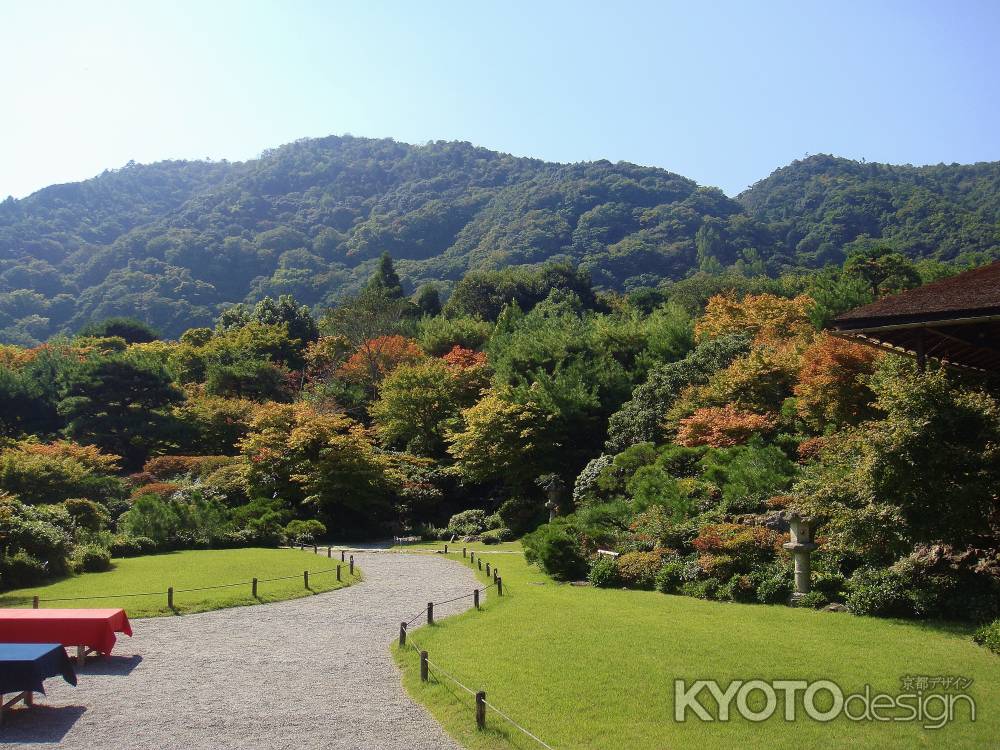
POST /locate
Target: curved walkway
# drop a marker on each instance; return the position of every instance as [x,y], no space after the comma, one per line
[310,673]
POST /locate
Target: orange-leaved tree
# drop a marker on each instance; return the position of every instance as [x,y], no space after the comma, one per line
[832,388]
[377,357]
[722,427]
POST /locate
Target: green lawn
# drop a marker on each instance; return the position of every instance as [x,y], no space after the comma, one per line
[594,668]
[191,570]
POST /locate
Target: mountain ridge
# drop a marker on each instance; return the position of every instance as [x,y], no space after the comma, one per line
[174,242]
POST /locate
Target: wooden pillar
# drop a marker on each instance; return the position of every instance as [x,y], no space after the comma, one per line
[423,666]
[254,591]
[481,710]
[402,634]
[430,613]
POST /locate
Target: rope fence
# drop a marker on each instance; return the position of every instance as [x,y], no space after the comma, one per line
[428,667]
[171,591]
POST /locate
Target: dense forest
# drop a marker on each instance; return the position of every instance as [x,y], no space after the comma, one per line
[677,425]
[175,243]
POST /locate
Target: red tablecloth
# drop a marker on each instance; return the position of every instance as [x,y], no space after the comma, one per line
[94,628]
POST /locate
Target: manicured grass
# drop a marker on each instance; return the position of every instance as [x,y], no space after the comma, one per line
[191,570]
[595,668]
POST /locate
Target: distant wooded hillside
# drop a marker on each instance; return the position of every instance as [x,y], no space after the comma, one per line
[174,243]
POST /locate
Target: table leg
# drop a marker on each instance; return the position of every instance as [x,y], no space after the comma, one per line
[81,655]
[29,698]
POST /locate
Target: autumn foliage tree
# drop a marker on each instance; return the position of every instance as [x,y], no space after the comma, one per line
[722,427]
[832,388]
[377,357]
[771,319]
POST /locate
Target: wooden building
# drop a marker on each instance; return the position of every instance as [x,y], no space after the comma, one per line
[954,321]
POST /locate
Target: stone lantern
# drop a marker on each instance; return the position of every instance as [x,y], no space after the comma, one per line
[801,544]
[553,486]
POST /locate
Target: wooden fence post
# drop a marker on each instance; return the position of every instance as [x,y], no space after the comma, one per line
[487,570]
[352,565]
[305,578]
[446,549]
[423,666]
[499,586]
[329,551]
[34,602]
[463,552]
[170,597]
[402,634]
[254,588]
[315,550]
[481,710]
[475,598]
[338,572]
[472,556]
[430,613]
[480,561]
[342,555]
[496,573]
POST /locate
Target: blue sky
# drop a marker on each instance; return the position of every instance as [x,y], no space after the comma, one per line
[723,92]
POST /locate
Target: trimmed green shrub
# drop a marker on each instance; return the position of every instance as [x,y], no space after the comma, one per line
[91,558]
[879,593]
[304,532]
[637,570]
[468,522]
[704,589]
[813,600]
[603,572]
[773,583]
[988,636]
[739,588]
[132,546]
[670,576]
[832,585]
[556,549]
[20,570]
[495,536]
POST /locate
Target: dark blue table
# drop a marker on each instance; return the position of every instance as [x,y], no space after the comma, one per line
[24,667]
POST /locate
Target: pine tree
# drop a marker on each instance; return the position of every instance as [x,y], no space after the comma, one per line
[385,279]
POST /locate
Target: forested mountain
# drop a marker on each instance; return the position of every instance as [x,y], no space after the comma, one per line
[819,207]
[173,243]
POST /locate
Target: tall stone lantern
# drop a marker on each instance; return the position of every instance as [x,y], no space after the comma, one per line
[553,486]
[801,546]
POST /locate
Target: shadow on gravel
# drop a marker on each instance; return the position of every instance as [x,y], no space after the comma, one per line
[115,666]
[39,724]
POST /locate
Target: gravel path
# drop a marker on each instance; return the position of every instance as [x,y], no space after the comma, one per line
[310,673]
